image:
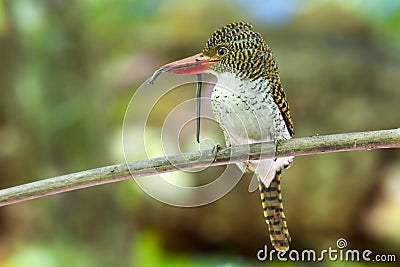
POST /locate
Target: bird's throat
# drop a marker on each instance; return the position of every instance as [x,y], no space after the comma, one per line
[244,109]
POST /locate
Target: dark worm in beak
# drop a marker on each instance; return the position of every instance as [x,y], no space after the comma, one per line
[198,107]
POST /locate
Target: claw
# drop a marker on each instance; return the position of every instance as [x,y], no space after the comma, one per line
[215,150]
[278,140]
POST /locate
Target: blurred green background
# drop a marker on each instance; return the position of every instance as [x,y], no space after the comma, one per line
[69,68]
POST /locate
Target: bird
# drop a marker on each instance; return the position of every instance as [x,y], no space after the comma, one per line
[250,105]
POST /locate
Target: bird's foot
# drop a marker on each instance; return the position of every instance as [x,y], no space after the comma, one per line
[278,140]
[215,150]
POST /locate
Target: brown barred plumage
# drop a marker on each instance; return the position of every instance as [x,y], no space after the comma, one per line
[271,200]
[255,60]
[250,105]
[249,57]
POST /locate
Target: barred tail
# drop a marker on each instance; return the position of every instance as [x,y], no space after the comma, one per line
[271,200]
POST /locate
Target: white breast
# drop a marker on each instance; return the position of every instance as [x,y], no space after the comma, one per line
[247,114]
[245,109]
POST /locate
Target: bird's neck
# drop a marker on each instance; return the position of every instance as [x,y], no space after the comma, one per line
[233,82]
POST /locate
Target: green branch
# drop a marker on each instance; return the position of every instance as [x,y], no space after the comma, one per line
[192,160]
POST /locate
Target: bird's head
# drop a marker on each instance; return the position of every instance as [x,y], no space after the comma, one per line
[234,48]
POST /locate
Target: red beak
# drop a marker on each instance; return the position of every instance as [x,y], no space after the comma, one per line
[192,65]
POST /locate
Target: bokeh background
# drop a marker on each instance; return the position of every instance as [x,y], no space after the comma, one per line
[69,68]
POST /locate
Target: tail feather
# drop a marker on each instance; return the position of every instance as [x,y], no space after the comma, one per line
[271,199]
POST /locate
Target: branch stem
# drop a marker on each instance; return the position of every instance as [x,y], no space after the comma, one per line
[191,160]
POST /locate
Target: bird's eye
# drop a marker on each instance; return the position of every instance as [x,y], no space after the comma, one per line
[222,51]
